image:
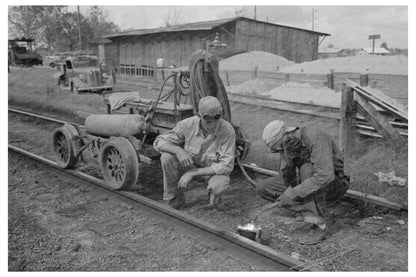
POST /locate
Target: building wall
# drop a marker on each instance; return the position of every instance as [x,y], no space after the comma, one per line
[293,44]
[177,47]
[111,51]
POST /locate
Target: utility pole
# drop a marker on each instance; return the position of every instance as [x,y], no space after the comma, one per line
[255,12]
[79,28]
[313,19]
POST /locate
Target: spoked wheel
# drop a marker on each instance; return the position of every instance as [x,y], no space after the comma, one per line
[242,145]
[63,148]
[119,164]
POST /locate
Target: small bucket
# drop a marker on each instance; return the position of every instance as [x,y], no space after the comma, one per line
[250,231]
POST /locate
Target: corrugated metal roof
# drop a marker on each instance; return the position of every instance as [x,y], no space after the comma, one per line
[377,50]
[202,25]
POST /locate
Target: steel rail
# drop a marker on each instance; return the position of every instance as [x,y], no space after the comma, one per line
[233,244]
[379,201]
[39,116]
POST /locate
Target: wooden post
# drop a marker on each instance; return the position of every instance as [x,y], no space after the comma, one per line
[227,78]
[348,130]
[379,122]
[255,72]
[363,80]
[330,79]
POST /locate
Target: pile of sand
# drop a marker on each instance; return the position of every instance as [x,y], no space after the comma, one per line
[359,64]
[306,95]
[302,93]
[248,61]
[290,91]
[251,87]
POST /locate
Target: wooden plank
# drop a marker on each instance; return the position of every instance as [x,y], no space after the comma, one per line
[376,200]
[377,100]
[371,129]
[350,193]
[379,122]
[271,74]
[394,124]
[400,125]
[347,138]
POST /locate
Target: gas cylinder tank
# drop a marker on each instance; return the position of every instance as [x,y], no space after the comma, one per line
[120,125]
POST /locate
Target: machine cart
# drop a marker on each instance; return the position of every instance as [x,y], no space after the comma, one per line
[123,138]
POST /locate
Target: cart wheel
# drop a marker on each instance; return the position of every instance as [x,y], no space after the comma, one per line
[119,163]
[62,147]
[242,146]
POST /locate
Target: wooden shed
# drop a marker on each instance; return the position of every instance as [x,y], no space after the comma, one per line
[140,48]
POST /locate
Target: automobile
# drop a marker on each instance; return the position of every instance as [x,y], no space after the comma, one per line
[86,79]
[56,58]
[84,60]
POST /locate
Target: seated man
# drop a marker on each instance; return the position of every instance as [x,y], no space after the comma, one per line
[200,146]
[321,174]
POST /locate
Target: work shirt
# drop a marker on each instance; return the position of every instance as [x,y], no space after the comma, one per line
[320,150]
[215,150]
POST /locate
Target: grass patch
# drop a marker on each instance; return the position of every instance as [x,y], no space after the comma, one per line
[36,89]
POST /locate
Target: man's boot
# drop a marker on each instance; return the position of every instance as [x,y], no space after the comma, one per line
[178,201]
[214,200]
[316,234]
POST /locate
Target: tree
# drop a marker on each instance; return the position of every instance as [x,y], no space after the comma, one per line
[384,45]
[57,28]
[69,36]
[25,21]
[100,24]
[240,12]
[330,45]
[50,30]
[173,17]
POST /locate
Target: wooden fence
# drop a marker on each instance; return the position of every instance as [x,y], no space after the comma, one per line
[391,126]
[394,86]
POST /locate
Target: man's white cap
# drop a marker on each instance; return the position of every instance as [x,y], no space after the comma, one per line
[210,105]
[274,131]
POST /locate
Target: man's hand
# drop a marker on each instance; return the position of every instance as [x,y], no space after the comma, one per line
[285,201]
[184,159]
[291,146]
[185,179]
[288,198]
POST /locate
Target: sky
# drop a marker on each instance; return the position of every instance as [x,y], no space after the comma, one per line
[349,26]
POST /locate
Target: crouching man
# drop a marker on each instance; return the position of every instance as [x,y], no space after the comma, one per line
[202,146]
[321,174]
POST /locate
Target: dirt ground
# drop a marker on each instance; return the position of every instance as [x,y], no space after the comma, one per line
[55,225]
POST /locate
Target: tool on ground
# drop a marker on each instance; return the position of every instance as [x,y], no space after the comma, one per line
[252,230]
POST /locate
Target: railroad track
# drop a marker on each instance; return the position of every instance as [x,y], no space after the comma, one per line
[232,244]
[239,247]
[350,194]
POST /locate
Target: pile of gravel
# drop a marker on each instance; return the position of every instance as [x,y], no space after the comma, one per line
[251,87]
[248,61]
[359,64]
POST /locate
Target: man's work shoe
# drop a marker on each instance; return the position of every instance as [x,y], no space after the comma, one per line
[312,218]
[314,236]
[178,201]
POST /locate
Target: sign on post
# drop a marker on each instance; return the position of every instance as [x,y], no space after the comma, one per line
[374,37]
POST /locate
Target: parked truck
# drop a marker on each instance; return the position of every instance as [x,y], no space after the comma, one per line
[21,53]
